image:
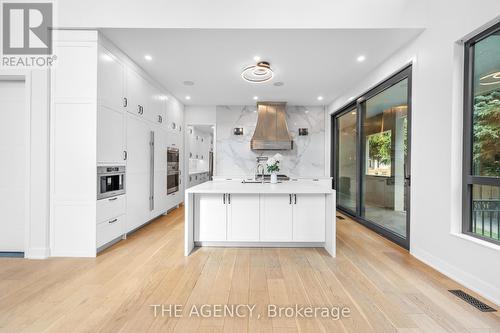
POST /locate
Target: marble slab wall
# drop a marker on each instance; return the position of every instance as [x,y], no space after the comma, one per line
[234,158]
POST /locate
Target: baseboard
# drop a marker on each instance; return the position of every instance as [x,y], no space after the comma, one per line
[258,244]
[75,254]
[470,281]
[37,253]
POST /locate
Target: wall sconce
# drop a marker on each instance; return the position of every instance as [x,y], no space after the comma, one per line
[303,131]
[238,131]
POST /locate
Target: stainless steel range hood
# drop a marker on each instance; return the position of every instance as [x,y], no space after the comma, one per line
[271,132]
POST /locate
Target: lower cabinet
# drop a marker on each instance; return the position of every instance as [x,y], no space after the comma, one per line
[211,218]
[265,217]
[309,217]
[242,217]
[276,217]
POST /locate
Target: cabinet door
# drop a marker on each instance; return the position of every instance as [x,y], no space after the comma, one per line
[136,94]
[211,218]
[138,211]
[275,217]
[138,138]
[160,167]
[309,218]
[242,216]
[111,80]
[110,136]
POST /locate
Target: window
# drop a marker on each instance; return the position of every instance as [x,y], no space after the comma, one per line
[378,147]
[481,181]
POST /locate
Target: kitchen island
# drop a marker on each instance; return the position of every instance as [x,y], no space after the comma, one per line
[234,214]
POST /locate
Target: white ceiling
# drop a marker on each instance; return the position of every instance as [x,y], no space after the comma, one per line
[311,63]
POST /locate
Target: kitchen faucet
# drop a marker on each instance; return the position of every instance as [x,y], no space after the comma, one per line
[261,163]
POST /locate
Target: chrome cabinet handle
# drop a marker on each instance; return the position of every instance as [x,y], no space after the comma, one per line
[295,198]
[290,196]
[224,199]
[229,198]
[125,155]
[160,119]
[113,221]
[113,199]
[125,102]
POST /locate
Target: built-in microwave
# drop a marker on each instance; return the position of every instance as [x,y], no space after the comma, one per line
[110,181]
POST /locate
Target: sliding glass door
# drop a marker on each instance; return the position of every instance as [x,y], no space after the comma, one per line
[347,160]
[371,158]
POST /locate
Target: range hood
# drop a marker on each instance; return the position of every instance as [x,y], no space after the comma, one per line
[271,132]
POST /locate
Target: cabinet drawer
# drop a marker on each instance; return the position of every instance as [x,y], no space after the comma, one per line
[109,230]
[110,207]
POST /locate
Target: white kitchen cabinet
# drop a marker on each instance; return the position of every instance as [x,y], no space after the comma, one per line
[309,217]
[110,80]
[137,91]
[110,136]
[138,193]
[242,217]
[160,171]
[211,219]
[109,230]
[109,208]
[276,217]
[138,138]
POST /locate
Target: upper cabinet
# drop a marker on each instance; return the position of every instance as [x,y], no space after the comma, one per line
[110,80]
[136,93]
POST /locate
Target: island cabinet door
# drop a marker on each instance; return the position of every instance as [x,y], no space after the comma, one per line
[275,218]
[309,217]
[243,217]
[210,217]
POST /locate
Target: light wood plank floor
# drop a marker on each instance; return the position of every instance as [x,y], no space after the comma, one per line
[385,288]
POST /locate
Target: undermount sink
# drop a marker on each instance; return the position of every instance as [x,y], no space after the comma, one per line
[246,181]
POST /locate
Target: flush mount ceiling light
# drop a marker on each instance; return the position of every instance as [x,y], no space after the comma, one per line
[361,58]
[320,98]
[148,57]
[255,98]
[188,97]
[490,79]
[259,73]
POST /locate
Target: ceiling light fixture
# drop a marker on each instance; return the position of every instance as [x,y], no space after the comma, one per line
[351,98]
[255,98]
[188,97]
[148,57]
[320,98]
[490,79]
[262,72]
[256,58]
[163,98]
[361,58]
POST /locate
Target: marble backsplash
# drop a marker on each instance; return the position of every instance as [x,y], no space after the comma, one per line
[235,158]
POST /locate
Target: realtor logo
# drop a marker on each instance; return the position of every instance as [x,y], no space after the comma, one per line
[27,28]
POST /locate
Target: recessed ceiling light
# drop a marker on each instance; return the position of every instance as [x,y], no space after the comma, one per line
[353,112]
[188,97]
[163,98]
[148,57]
[361,58]
[278,84]
[255,98]
[256,58]
[351,98]
[320,98]
[188,83]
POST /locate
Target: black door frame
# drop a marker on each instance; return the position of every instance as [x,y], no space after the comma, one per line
[358,104]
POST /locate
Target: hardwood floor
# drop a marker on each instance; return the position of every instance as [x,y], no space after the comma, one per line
[385,288]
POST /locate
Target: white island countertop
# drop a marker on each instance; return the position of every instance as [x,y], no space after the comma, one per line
[299,186]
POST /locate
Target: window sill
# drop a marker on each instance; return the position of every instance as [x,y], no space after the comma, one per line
[477,241]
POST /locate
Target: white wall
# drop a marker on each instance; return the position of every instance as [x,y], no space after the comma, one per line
[437,143]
